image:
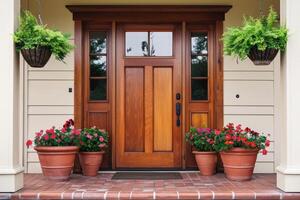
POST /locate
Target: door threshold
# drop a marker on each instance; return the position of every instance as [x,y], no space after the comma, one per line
[154,171]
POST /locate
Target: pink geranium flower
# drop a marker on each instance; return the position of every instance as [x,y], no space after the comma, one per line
[76,131]
[89,136]
[101,139]
[63,130]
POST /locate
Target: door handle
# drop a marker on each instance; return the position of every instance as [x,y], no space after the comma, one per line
[178,112]
[178,109]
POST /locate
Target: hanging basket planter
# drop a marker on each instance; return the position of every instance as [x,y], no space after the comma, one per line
[264,32]
[259,57]
[37,57]
[37,43]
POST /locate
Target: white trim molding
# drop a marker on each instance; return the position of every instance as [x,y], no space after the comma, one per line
[11,159]
[288,172]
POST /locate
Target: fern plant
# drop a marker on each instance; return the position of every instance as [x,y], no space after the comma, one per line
[262,33]
[31,34]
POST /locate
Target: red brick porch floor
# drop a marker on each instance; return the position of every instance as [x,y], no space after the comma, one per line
[192,186]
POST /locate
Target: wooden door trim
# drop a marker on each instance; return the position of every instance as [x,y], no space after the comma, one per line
[140,13]
[92,16]
[78,72]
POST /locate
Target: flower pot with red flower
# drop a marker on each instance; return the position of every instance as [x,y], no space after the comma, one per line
[56,150]
[238,148]
[202,141]
[93,141]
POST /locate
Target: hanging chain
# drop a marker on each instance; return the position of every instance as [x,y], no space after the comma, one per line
[261,7]
[39,11]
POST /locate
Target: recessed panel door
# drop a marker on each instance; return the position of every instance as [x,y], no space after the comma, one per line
[148,118]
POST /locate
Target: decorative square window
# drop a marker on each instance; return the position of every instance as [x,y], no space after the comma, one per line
[149,43]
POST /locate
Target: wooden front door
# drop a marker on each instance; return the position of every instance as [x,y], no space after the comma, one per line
[148,133]
[146,74]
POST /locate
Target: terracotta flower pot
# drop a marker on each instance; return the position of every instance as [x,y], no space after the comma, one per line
[206,162]
[239,163]
[90,162]
[57,162]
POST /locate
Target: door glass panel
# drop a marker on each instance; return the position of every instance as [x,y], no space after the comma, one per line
[199,89]
[148,43]
[199,43]
[97,66]
[97,42]
[199,66]
[161,43]
[97,89]
[136,44]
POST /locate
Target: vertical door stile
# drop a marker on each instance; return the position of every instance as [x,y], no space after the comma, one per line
[148,109]
[183,84]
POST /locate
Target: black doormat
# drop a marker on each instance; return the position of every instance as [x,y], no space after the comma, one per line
[146,175]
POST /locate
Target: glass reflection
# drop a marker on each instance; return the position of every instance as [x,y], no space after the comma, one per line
[136,44]
[199,43]
[98,66]
[199,89]
[199,66]
[98,89]
[97,42]
[161,43]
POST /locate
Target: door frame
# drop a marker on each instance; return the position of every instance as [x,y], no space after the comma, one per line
[107,15]
[149,64]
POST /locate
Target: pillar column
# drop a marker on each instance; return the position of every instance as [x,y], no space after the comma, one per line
[11,147]
[288,172]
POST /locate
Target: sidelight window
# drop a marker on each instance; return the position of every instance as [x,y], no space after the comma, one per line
[98,65]
[199,66]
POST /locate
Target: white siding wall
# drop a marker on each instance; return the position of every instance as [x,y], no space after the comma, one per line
[47,101]
[255,106]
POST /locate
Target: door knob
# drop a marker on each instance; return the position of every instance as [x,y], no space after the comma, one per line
[177,96]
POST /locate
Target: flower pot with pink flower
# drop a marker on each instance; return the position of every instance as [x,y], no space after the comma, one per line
[238,148]
[93,141]
[56,150]
[202,141]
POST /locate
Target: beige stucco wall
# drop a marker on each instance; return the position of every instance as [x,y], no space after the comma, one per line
[47,101]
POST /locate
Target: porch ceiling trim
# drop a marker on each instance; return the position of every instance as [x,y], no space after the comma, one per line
[162,12]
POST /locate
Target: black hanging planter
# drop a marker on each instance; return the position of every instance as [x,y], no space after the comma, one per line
[262,57]
[37,57]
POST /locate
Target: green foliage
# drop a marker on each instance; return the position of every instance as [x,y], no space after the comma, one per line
[30,35]
[202,139]
[93,140]
[264,32]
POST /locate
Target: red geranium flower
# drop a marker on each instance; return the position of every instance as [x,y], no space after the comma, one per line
[227,137]
[46,137]
[264,152]
[28,143]
[53,136]
[51,131]
[76,132]
[218,132]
